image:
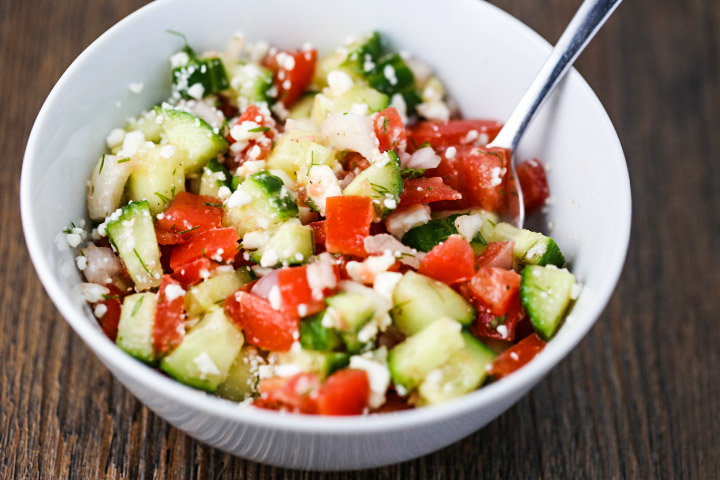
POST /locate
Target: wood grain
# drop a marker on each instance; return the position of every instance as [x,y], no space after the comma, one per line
[640,396]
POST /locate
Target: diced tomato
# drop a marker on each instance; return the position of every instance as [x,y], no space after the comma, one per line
[427,190]
[453,132]
[295,394]
[345,392]
[353,161]
[517,356]
[194,272]
[169,316]
[319,235]
[263,326]
[188,215]
[495,288]
[293,73]
[113,306]
[254,114]
[390,130]
[487,325]
[477,173]
[295,291]
[496,254]
[534,183]
[258,148]
[347,223]
[219,245]
[451,261]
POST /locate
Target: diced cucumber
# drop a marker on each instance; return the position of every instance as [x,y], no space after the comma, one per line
[425,237]
[292,244]
[214,290]
[246,219]
[546,293]
[325,102]
[147,123]
[411,360]
[296,151]
[351,310]
[133,235]
[214,176]
[531,248]
[204,357]
[206,72]
[158,177]
[242,378]
[320,363]
[418,301]
[192,134]
[250,82]
[392,75]
[270,196]
[381,181]
[302,108]
[362,56]
[314,336]
[464,372]
[135,329]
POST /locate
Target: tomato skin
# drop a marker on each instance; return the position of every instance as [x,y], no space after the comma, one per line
[496,254]
[188,215]
[345,392]
[452,132]
[427,190]
[451,261]
[194,271]
[486,324]
[390,130]
[495,288]
[292,83]
[319,235]
[295,394]
[534,184]
[295,291]
[264,326]
[517,356]
[169,317]
[474,172]
[113,303]
[219,244]
[347,223]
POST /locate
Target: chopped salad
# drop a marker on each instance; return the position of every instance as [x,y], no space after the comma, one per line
[317,235]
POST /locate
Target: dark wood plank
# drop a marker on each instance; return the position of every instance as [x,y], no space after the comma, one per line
[639,398]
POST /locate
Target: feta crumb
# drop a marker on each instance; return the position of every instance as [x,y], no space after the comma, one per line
[496,179]
[81,262]
[239,198]
[136,87]
[180,59]
[73,239]
[469,225]
[115,137]
[390,74]
[173,291]
[399,223]
[450,153]
[502,330]
[360,108]
[206,365]
[575,291]
[100,310]
[224,192]
[385,283]
[92,292]
[132,142]
[275,298]
[269,258]
[197,91]
[378,377]
[514,356]
[168,151]
[302,310]
[434,110]
[339,82]
[256,239]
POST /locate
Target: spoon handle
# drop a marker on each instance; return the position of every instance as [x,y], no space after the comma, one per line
[591,15]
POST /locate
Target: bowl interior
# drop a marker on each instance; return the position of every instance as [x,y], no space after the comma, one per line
[486,59]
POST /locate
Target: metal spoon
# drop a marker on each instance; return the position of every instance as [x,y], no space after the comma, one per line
[591,15]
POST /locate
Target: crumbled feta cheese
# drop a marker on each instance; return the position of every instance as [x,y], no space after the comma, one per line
[285,61]
[434,110]
[81,262]
[206,365]
[575,291]
[288,369]
[385,283]
[339,82]
[100,310]
[275,298]
[469,225]
[115,137]
[224,192]
[378,377]
[497,176]
[196,91]
[360,108]
[399,223]
[73,239]
[390,203]
[136,87]
[450,153]
[502,330]
[366,271]
[321,275]
[173,291]
[269,258]
[92,292]
[256,239]
[302,310]
[180,59]
[168,151]
[398,102]
[390,75]
[132,142]
[536,250]
[239,198]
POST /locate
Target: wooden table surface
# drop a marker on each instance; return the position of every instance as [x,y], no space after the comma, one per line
[639,397]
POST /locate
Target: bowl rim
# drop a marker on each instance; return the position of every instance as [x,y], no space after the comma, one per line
[117,360]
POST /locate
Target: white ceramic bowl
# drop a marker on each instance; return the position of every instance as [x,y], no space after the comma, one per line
[485,57]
